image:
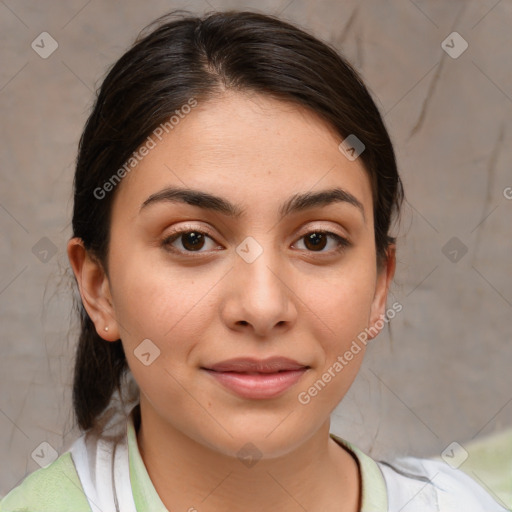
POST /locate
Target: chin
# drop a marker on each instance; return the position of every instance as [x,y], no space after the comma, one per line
[259,439]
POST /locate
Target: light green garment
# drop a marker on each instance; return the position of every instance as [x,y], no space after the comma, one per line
[57,488]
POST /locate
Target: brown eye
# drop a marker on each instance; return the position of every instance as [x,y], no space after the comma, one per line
[316,241]
[186,241]
[192,240]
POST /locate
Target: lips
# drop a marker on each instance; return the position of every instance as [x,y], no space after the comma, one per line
[257,379]
[250,365]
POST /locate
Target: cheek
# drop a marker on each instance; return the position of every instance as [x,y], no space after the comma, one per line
[156,300]
[342,305]
[170,308]
[343,311]
[343,302]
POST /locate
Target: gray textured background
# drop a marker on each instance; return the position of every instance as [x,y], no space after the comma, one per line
[446,374]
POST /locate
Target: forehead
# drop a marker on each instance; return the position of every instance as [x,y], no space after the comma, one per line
[254,149]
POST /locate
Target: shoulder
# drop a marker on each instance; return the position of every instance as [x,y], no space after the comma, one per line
[424,485]
[55,488]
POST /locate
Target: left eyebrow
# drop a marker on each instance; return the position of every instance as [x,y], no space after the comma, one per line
[295,204]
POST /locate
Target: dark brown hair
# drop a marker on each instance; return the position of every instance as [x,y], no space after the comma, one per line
[183,56]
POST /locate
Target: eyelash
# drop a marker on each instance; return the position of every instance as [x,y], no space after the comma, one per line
[342,243]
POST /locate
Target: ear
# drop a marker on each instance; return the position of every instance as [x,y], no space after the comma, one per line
[94,289]
[384,279]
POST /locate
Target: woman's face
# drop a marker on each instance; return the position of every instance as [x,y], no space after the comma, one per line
[258,285]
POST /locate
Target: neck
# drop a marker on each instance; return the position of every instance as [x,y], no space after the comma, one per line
[318,475]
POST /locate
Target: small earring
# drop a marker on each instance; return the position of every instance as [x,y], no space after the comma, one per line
[106,328]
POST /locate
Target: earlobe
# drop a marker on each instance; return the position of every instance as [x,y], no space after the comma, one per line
[94,289]
[384,279]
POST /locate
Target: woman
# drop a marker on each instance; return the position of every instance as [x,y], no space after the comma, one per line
[234,192]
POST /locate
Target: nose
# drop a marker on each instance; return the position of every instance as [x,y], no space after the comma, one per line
[260,294]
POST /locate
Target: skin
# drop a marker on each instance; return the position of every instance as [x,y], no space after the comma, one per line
[201,308]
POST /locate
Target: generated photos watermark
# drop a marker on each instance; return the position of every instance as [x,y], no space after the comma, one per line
[144,149]
[304,397]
